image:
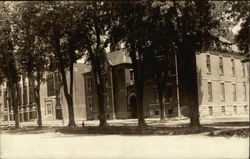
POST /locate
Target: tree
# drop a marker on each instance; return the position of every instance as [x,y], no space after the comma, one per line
[31,51]
[195,24]
[54,23]
[183,27]
[239,12]
[93,27]
[8,67]
[160,48]
[128,18]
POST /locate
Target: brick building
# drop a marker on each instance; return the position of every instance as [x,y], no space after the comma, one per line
[223,82]
[52,100]
[78,93]
[26,100]
[116,84]
[223,88]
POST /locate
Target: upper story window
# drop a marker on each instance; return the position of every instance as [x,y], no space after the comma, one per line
[25,94]
[107,101]
[50,83]
[234,92]
[106,82]
[221,66]
[131,75]
[57,77]
[90,103]
[245,91]
[243,70]
[233,67]
[89,84]
[210,93]
[222,91]
[208,64]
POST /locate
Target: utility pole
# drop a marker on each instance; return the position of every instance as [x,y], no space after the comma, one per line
[177,87]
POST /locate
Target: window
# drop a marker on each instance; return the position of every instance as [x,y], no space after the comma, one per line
[89,84]
[243,70]
[157,112]
[208,64]
[210,93]
[169,93]
[170,111]
[234,92]
[223,110]
[90,104]
[106,82]
[245,92]
[107,101]
[221,65]
[235,110]
[131,75]
[222,87]
[210,111]
[233,67]
[25,94]
[49,108]
[245,110]
[156,95]
[57,77]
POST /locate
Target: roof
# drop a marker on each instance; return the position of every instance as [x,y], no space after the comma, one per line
[115,58]
[230,46]
[118,57]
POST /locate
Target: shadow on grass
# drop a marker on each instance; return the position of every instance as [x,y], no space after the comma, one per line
[244,132]
[133,130]
[111,130]
[229,124]
[226,129]
[29,130]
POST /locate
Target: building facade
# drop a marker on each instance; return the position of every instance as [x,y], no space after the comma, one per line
[52,99]
[223,88]
[223,82]
[26,102]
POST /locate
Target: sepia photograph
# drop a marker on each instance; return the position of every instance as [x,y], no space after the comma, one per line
[124,79]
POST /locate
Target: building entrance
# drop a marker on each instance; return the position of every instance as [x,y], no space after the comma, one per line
[132,109]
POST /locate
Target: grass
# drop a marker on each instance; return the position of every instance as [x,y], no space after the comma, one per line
[133,130]
[213,128]
[244,133]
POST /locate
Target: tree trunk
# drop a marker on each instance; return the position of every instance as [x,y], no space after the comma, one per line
[102,114]
[100,95]
[188,67]
[72,123]
[40,124]
[139,83]
[138,68]
[68,96]
[139,97]
[193,95]
[14,104]
[162,106]
[36,90]
[69,100]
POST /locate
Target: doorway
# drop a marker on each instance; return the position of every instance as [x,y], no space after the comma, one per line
[132,108]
